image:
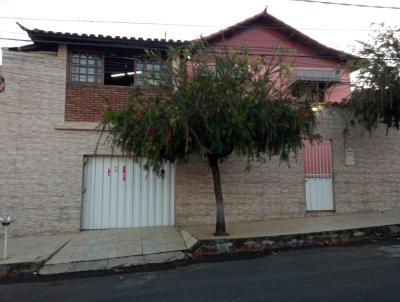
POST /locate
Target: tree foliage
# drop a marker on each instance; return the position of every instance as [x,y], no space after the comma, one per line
[214,104]
[376,95]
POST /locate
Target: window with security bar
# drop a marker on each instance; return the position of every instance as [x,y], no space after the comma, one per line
[312,84]
[86,67]
[150,73]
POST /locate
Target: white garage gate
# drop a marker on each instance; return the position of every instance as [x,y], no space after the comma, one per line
[119,192]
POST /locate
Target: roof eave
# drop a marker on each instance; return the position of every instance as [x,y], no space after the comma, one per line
[54,38]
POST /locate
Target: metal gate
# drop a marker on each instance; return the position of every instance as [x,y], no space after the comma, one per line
[120,193]
[318,175]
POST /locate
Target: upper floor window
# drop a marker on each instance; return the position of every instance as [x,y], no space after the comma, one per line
[86,68]
[149,73]
[117,69]
[312,84]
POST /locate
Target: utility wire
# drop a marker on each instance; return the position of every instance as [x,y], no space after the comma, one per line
[15,39]
[177,24]
[13,32]
[105,21]
[347,4]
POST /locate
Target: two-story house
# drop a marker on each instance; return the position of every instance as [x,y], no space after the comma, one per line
[58,87]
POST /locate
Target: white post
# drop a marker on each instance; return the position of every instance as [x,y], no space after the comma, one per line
[5,242]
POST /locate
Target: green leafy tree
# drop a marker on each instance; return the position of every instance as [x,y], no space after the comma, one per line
[376,95]
[213,104]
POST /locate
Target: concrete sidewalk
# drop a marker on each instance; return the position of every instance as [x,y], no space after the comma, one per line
[264,236]
[117,249]
[294,226]
[93,250]
[110,249]
[28,254]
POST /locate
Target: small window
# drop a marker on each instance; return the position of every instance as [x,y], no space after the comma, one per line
[150,73]
[86,68]
[314,92]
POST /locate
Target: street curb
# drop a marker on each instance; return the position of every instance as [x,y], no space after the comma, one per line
[213,248]
[110,264]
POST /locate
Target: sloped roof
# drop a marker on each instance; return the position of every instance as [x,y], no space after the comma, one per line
[294,34]
[42,37]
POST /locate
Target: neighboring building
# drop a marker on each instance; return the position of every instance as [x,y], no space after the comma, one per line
[58,87]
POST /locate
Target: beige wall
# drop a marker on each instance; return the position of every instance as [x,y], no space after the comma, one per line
[41,162]
[373,183]
[274,190]
[41,167]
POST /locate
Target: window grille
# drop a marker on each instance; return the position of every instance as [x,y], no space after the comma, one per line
[86,68]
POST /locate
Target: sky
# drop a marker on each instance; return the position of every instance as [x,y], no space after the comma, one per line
[335,26]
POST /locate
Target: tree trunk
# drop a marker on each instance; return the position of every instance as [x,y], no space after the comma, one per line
[220,222]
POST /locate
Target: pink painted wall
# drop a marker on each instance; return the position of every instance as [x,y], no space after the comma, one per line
[339,92]
[265,41]
[317,159]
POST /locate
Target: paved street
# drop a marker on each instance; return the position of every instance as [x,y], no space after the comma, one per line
[366,273]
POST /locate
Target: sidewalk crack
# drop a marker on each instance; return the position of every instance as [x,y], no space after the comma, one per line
[48,258]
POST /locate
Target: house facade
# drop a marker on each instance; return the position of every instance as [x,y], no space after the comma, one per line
[55,177]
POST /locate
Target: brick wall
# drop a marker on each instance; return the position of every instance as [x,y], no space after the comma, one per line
[276,190]
[86,103]
[41,167]
[271,190]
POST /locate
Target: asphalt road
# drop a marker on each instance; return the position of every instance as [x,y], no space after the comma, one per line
[366,273]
